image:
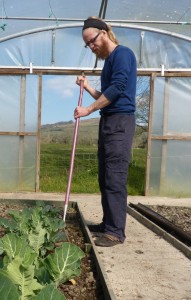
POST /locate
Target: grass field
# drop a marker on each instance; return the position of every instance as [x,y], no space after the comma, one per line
[55,163]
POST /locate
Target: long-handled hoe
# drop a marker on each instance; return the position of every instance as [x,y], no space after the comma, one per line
[67,197]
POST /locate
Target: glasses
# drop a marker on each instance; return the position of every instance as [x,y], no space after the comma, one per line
[92,41]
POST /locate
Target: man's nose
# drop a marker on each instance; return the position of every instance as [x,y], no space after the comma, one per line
[91,45]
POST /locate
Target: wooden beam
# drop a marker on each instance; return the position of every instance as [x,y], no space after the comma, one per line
[51,71]
[18,133]
[89,72]
[180,137]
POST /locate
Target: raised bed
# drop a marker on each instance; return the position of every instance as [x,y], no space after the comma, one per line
[92,283]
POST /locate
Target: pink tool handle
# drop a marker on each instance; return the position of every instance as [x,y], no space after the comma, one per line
[73,151]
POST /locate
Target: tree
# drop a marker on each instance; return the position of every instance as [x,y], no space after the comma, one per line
[142,101]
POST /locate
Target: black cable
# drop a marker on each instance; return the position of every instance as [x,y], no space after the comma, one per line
[102,13]
[101,8]
[105,8]
[52,13]
[3,3]
[184,14]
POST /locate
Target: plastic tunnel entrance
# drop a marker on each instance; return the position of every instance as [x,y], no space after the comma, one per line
[164,57]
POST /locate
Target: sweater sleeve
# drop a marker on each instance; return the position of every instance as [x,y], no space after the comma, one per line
[120,70]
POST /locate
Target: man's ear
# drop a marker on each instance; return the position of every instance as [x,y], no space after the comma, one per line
[104,32]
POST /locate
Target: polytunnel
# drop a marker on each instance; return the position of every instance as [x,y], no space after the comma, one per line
[39,38]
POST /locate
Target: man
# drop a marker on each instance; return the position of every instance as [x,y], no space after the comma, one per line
[116,102]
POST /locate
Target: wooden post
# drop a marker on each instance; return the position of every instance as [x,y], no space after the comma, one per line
[37,187]
[165,132]
[152,79]
[22,129]
[53,47]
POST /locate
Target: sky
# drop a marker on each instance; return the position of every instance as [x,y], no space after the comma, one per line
[60,95]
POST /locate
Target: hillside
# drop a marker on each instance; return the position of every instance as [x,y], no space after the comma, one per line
[62,133]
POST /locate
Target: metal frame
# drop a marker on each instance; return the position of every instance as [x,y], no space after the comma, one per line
[106,20]
[120,24]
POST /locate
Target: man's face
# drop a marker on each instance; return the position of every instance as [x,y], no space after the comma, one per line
[94,39]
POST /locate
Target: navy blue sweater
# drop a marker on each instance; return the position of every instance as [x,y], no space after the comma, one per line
[118,81]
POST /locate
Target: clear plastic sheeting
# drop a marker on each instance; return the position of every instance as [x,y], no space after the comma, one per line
[152,48]
[18,94]
[69,48]
[170,51]
[17,163]
[31,104]
[172,106]
[170,168]
[10,103]
[54,12]
[65,48]
[18,136]
[170,162]
[35,48]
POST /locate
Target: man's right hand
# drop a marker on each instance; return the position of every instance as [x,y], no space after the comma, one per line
[82,78]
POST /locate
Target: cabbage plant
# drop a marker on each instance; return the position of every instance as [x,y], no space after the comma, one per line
[31,266]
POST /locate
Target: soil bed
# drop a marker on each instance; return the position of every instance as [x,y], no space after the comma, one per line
[179,216]
[87,285]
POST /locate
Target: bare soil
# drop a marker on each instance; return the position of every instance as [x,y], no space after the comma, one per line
[87,285]
[179,216]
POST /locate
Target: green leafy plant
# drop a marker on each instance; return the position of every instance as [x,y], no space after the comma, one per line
[8,290]
[39,225]
[27,270]
[50,292]
[64,264]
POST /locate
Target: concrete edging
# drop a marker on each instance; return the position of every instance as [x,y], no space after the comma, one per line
[108,292]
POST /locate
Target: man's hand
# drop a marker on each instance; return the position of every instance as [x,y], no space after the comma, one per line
[80,79]
[81,112]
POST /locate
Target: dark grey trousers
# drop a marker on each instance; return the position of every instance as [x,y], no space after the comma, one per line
[114,149]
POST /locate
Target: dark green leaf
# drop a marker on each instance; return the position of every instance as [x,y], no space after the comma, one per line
[8,291]
[23,277]
[17,246]
[43,275]
[59,236]
[64,264]
[50,292]
[8,224]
